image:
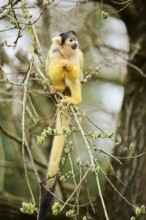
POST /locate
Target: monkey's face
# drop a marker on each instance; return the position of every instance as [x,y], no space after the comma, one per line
[66,40]
[71,42]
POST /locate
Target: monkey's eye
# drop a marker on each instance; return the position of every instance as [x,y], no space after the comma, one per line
[70,40]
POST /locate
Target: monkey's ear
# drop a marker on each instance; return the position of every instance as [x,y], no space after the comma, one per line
[57,40]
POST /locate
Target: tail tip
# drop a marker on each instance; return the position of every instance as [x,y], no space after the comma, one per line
[46,200]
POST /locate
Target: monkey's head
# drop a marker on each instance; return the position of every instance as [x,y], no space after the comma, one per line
[67,40]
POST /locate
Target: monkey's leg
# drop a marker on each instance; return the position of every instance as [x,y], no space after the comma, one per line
[56,74]
[58,86]
[76,96]
[55,70]
[73,72]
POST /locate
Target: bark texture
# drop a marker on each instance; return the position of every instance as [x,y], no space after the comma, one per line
[132,127]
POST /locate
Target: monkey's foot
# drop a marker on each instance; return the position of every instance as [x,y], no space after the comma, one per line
[54,89]
[70,100]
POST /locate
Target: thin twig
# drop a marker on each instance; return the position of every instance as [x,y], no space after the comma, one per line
[73,176]
[104,152]
[66,203]
[24,140]
[124,198]
[92,163]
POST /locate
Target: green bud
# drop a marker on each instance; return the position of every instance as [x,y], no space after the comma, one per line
[105,133]
[45,88]
[104,14]
[28,208]
[111,134]
[78,161]
[68,131]
[95,134]
[4,43]
[131,147]
[87,164]
[78,114]
[44,135]
[63,160]
[37,75]
[59,173]
[76,108]
[83,114]
[56,208]
[126,149]
[95,170]
[99,133]
[40,140]
[132,218]
[66,150]
[74,129]
[70,213]
[70,173]
[55,132]
[47,2]
[137,211]
[70,143]
[119,141]
[49,131]
[63,179]
[142,209]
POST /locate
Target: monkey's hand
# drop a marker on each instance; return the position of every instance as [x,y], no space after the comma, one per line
[52,90]
[57,88]
[67,65]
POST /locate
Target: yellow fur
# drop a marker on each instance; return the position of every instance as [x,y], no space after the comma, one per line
[64,67]
[56,152]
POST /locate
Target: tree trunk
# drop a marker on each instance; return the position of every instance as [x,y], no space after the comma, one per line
[132,127]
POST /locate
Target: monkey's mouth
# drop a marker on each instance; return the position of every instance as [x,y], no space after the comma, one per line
[74,46]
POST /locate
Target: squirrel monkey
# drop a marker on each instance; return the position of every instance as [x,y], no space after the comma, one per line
[64,67]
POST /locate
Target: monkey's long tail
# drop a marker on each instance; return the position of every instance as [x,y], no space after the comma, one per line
[54,161]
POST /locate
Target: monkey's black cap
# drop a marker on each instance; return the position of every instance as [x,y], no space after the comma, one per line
[66,35]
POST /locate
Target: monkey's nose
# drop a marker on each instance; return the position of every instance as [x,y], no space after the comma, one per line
[74,46]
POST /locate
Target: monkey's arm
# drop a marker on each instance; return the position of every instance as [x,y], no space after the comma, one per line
[75,89]
[56,74]
[54,69]
[75,71]
[81,60]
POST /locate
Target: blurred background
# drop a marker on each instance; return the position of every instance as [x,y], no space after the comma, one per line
[25,35]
